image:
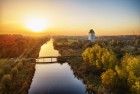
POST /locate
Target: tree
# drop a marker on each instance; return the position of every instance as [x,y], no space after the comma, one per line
[99,57]
[136,88]
[132,64]
[108,79]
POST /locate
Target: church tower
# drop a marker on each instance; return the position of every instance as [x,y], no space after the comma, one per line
[91,36]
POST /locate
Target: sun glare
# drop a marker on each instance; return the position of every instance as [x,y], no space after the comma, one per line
[37,24]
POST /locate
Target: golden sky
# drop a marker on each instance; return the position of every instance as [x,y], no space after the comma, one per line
[71,17]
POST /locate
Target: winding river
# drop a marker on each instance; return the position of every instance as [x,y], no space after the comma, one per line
[54,78]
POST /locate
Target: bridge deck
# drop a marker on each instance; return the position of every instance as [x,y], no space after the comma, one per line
[56,57]
[59,59]
[46,62]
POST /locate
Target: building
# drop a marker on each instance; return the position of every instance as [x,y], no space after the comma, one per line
[91,36]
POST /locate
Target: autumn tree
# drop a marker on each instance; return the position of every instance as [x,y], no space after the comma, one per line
[108,79]
[99,57]
[131,65]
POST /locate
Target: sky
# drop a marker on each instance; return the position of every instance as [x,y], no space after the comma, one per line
[72,17]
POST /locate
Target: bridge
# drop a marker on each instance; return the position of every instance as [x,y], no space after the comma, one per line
[59,56]
[50,59]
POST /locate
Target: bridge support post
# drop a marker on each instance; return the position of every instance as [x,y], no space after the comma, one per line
[51,59]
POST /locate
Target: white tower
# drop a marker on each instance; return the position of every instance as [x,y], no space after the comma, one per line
[91,36]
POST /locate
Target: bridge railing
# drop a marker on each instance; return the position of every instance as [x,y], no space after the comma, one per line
[58,56]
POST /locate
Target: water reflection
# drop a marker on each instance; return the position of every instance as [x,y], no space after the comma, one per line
[48,49]
[54,78]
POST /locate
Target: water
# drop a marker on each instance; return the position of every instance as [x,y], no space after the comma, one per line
[54,78]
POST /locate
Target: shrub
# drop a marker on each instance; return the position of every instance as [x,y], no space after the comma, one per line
[6,83]
[20,65]
[7,68]
[14,72]
[1,73]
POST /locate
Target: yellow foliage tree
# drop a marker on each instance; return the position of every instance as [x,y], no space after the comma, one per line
[108,78]
[100,57]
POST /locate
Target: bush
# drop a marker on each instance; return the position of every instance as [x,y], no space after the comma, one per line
[6,83]
[20,65]
[7,68]
[1,73]
[14,72]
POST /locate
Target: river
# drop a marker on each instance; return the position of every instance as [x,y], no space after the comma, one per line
[54,78]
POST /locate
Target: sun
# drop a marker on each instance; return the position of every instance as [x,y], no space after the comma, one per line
[37,24]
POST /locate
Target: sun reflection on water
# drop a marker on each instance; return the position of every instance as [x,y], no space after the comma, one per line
[48,49]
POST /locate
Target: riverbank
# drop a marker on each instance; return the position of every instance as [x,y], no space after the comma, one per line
[54,78]
[90,77]
[16,70]
[107,68]
[16,75]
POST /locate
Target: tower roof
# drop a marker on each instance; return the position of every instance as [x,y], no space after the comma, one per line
[91,31]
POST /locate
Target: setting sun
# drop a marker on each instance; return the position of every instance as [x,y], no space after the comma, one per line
[36,24]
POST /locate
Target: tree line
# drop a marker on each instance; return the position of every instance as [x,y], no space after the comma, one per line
[118,74]
[12,46]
